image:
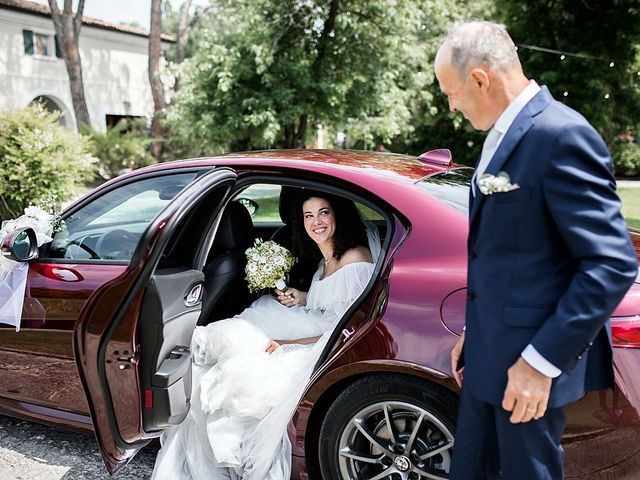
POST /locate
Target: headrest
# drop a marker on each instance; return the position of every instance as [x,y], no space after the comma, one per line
[235,230]
[287,202]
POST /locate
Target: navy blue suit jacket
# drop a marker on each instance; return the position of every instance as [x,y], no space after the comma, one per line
[549,261]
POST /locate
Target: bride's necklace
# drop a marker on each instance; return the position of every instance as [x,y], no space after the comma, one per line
[327,261]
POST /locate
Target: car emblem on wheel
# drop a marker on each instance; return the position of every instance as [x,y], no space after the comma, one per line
[402,463]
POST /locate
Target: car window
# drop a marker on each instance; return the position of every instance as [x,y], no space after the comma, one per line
[108,228]
[451,187]
[142,207]
[266,197]
[368,213]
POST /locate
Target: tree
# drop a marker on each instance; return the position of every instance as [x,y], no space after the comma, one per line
[433,125]
[183,25]
[157,88]
[67,26]
[584,52]
[39,159]
[268,71]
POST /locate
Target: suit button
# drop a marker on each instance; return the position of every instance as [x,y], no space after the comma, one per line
[471,295]
[472,255]
[579,357]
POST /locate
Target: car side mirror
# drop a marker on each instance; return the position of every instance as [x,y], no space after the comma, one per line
[20,245]
[251,205]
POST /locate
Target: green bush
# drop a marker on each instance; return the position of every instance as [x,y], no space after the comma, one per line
[39,159]
[626,158]
[120,149]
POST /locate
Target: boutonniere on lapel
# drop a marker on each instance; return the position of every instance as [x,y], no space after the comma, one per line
[490,184]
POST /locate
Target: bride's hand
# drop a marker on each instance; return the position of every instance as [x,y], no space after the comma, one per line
[292,297]
[272,346]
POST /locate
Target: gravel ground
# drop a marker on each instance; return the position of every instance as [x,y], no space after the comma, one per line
[29,451]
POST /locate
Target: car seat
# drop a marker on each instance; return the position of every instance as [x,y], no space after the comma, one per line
[225,289]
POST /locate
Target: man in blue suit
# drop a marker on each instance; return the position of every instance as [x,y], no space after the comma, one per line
[549,260]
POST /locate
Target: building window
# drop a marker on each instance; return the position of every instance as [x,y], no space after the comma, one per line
[50,105]
[41,44]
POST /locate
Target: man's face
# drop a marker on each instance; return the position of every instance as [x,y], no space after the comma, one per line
[464,96]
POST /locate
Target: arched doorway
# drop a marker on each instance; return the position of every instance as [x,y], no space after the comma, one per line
[51,105]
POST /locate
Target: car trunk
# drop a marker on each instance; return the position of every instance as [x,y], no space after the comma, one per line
[625,331]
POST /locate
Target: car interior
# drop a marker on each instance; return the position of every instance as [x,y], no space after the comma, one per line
[225,293]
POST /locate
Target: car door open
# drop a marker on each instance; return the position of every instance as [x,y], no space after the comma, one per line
[131,341]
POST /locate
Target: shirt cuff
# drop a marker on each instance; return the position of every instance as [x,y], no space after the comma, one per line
[541,364]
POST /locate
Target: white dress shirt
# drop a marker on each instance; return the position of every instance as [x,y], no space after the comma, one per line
[492,142]
[502,125]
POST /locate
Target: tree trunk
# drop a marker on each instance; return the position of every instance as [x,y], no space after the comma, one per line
[183,34]
[157,89]
[325,36]
[67,27]
[298,141]
[184,31]
[294,137]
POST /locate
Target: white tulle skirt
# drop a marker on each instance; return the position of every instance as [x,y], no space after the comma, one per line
[243,397]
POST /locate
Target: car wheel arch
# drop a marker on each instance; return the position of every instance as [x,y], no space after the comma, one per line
[324,396]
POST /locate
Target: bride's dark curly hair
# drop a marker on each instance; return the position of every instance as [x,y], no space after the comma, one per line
[350,230]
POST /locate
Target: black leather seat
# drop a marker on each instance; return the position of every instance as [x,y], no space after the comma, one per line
[225,289]
[302,272]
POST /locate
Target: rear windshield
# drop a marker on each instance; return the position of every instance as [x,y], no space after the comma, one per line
[452,187]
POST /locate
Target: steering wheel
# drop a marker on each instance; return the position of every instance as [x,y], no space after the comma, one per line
[115,245]
[85,247]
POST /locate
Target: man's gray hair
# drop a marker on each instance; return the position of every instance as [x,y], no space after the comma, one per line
[480,43]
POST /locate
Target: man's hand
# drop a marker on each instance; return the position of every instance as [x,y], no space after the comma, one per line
[455,358]
[527,392]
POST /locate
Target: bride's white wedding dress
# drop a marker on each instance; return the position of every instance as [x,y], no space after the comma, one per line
[242,397]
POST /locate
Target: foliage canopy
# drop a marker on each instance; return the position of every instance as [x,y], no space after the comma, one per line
[264,73]
[601,82]
[272,70]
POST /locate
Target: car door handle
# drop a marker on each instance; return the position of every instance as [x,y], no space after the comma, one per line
[173,367]
[194,295]
[348,332]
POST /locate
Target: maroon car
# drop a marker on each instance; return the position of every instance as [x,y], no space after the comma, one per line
[112,302]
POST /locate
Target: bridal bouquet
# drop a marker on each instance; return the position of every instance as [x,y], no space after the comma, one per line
[268,265]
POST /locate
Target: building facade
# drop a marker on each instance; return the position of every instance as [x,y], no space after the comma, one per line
[114,66]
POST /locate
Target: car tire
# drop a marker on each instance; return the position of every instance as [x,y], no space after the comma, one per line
[367,432]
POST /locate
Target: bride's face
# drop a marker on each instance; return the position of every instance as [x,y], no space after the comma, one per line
[319,219]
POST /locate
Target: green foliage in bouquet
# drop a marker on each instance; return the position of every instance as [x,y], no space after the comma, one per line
[626,158]
[39,159]
[120,149]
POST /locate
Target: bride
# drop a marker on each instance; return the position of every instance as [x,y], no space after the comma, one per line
[250,371]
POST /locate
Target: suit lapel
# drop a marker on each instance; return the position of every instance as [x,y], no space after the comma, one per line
[518,129]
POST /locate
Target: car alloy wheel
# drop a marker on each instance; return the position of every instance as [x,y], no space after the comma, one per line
[389,427]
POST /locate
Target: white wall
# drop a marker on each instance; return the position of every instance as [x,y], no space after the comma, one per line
[114,66]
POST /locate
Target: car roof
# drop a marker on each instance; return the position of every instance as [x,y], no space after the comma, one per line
[402,167]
